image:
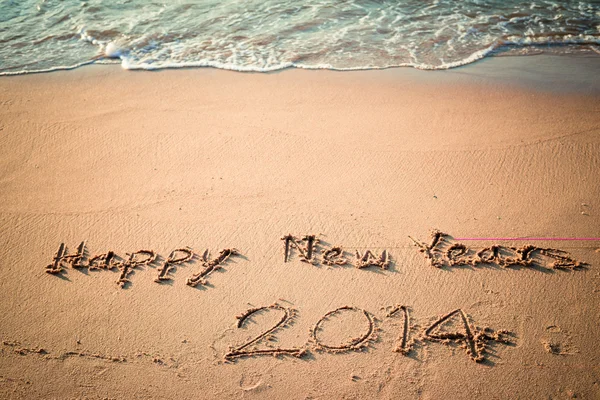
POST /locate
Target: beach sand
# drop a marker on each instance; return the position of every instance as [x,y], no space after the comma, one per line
[508,147]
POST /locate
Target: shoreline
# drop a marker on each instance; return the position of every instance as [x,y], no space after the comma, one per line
[485,70]
[216,160]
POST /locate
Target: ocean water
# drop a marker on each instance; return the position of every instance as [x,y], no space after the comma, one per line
[268,35]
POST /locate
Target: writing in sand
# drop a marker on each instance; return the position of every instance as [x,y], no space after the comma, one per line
[440,252]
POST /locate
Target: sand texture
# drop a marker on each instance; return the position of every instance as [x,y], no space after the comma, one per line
[293,235]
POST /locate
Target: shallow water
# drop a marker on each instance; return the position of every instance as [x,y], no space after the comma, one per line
[267,35]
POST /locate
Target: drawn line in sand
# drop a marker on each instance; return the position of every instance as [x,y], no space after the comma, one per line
[102,261]
[133,262]
[68,354]
[243,351]
[185,255]
[210,266]
[306,247]
[369,259]
[306,250]
[404,344]
[110,261]
[357,343]
[61,259]
[475,340]
[440,252]
[18,348]
[334,256]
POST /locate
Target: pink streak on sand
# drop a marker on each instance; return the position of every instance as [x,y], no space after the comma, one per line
[525,238]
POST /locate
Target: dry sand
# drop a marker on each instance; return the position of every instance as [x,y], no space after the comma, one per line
[214,159]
